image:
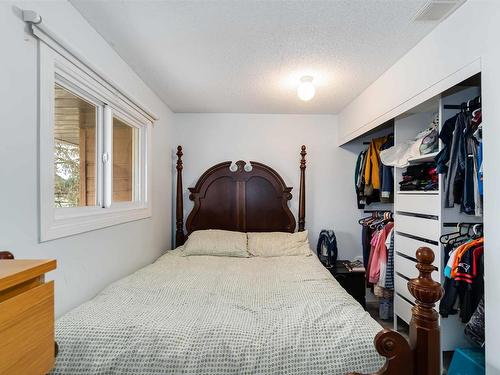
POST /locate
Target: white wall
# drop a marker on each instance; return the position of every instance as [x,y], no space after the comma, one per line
[471,33]
[275,140]
[89,261]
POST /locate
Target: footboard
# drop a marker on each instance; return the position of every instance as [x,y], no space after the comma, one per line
[419,356]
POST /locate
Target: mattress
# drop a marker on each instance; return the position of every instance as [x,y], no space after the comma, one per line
[220,315]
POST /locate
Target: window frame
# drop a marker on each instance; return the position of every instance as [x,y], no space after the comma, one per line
[66,71]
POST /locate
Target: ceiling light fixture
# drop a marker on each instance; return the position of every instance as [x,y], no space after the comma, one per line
[306,89]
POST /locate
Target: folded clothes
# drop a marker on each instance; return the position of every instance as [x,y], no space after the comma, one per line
[419,177]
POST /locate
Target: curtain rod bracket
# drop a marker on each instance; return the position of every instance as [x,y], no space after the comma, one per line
[32,17]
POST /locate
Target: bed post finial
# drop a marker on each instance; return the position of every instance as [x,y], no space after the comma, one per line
[6,255]
[424,326]
[302,191]
[179,210]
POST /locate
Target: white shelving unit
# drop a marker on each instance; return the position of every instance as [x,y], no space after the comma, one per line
[420,216]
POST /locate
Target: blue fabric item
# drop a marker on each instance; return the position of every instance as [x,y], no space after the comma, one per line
[446,137]
[468,201]
[454,182]
[386,175]
[447,304]
[386,309]
[447,272]
[366,236]
[327,241]
[389,271]
[468,361]
[479,167]
[356,169]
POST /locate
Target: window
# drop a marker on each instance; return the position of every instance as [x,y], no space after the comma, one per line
[74,150]
[124,157]
[94,150]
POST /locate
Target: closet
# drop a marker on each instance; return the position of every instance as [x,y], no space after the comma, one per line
[424,208]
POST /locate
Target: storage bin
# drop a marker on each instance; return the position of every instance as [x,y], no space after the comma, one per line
[467,361]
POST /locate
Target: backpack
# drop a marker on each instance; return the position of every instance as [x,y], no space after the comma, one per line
[327,248]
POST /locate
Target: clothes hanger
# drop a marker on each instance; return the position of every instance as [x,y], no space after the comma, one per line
[478,230]
[384,219]
[366,220]
[458,235]
[463,107]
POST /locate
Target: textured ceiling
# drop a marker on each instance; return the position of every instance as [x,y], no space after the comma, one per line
[247,56]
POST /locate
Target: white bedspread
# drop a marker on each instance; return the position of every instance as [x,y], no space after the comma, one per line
[218,315]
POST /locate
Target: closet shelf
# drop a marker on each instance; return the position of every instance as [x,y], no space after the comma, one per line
[420,192]
[423,158]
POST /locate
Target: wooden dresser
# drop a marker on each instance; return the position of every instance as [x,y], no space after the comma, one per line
[26,317]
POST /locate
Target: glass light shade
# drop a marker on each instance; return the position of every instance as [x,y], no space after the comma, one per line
[306,90]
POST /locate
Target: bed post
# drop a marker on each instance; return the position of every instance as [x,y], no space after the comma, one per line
[421,356]
[179,204]
[302,191]
[424,326]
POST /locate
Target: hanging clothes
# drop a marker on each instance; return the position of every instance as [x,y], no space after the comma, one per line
[387,175]
[359,184]
[366,235]
[372,172]
[474,329]
[446,136]
[389,276]
[379,254]
[461,159]
[373,181]
[378,257]
[478,134]
[453,188]
[464,282]
[374,236]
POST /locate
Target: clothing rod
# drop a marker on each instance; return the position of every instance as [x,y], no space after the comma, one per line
[455,224]
[371,211]
[476,100]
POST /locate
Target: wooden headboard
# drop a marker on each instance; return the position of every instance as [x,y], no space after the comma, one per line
[243,198]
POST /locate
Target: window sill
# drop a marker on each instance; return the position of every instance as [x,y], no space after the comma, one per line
[71,223]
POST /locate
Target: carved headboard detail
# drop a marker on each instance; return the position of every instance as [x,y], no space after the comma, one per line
[253,200]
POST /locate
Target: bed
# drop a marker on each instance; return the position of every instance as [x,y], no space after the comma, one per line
[230,315]
[220,315]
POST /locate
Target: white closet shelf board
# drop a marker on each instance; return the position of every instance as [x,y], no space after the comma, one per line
[419,192]
[423,158]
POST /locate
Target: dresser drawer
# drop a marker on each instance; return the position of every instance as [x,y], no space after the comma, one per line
[27,332]
[402,308]
[408,246]
[417,226]
[401,287]
[406,267]
[425,204]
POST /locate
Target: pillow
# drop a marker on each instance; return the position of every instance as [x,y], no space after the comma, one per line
[276,244]
[216,242]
